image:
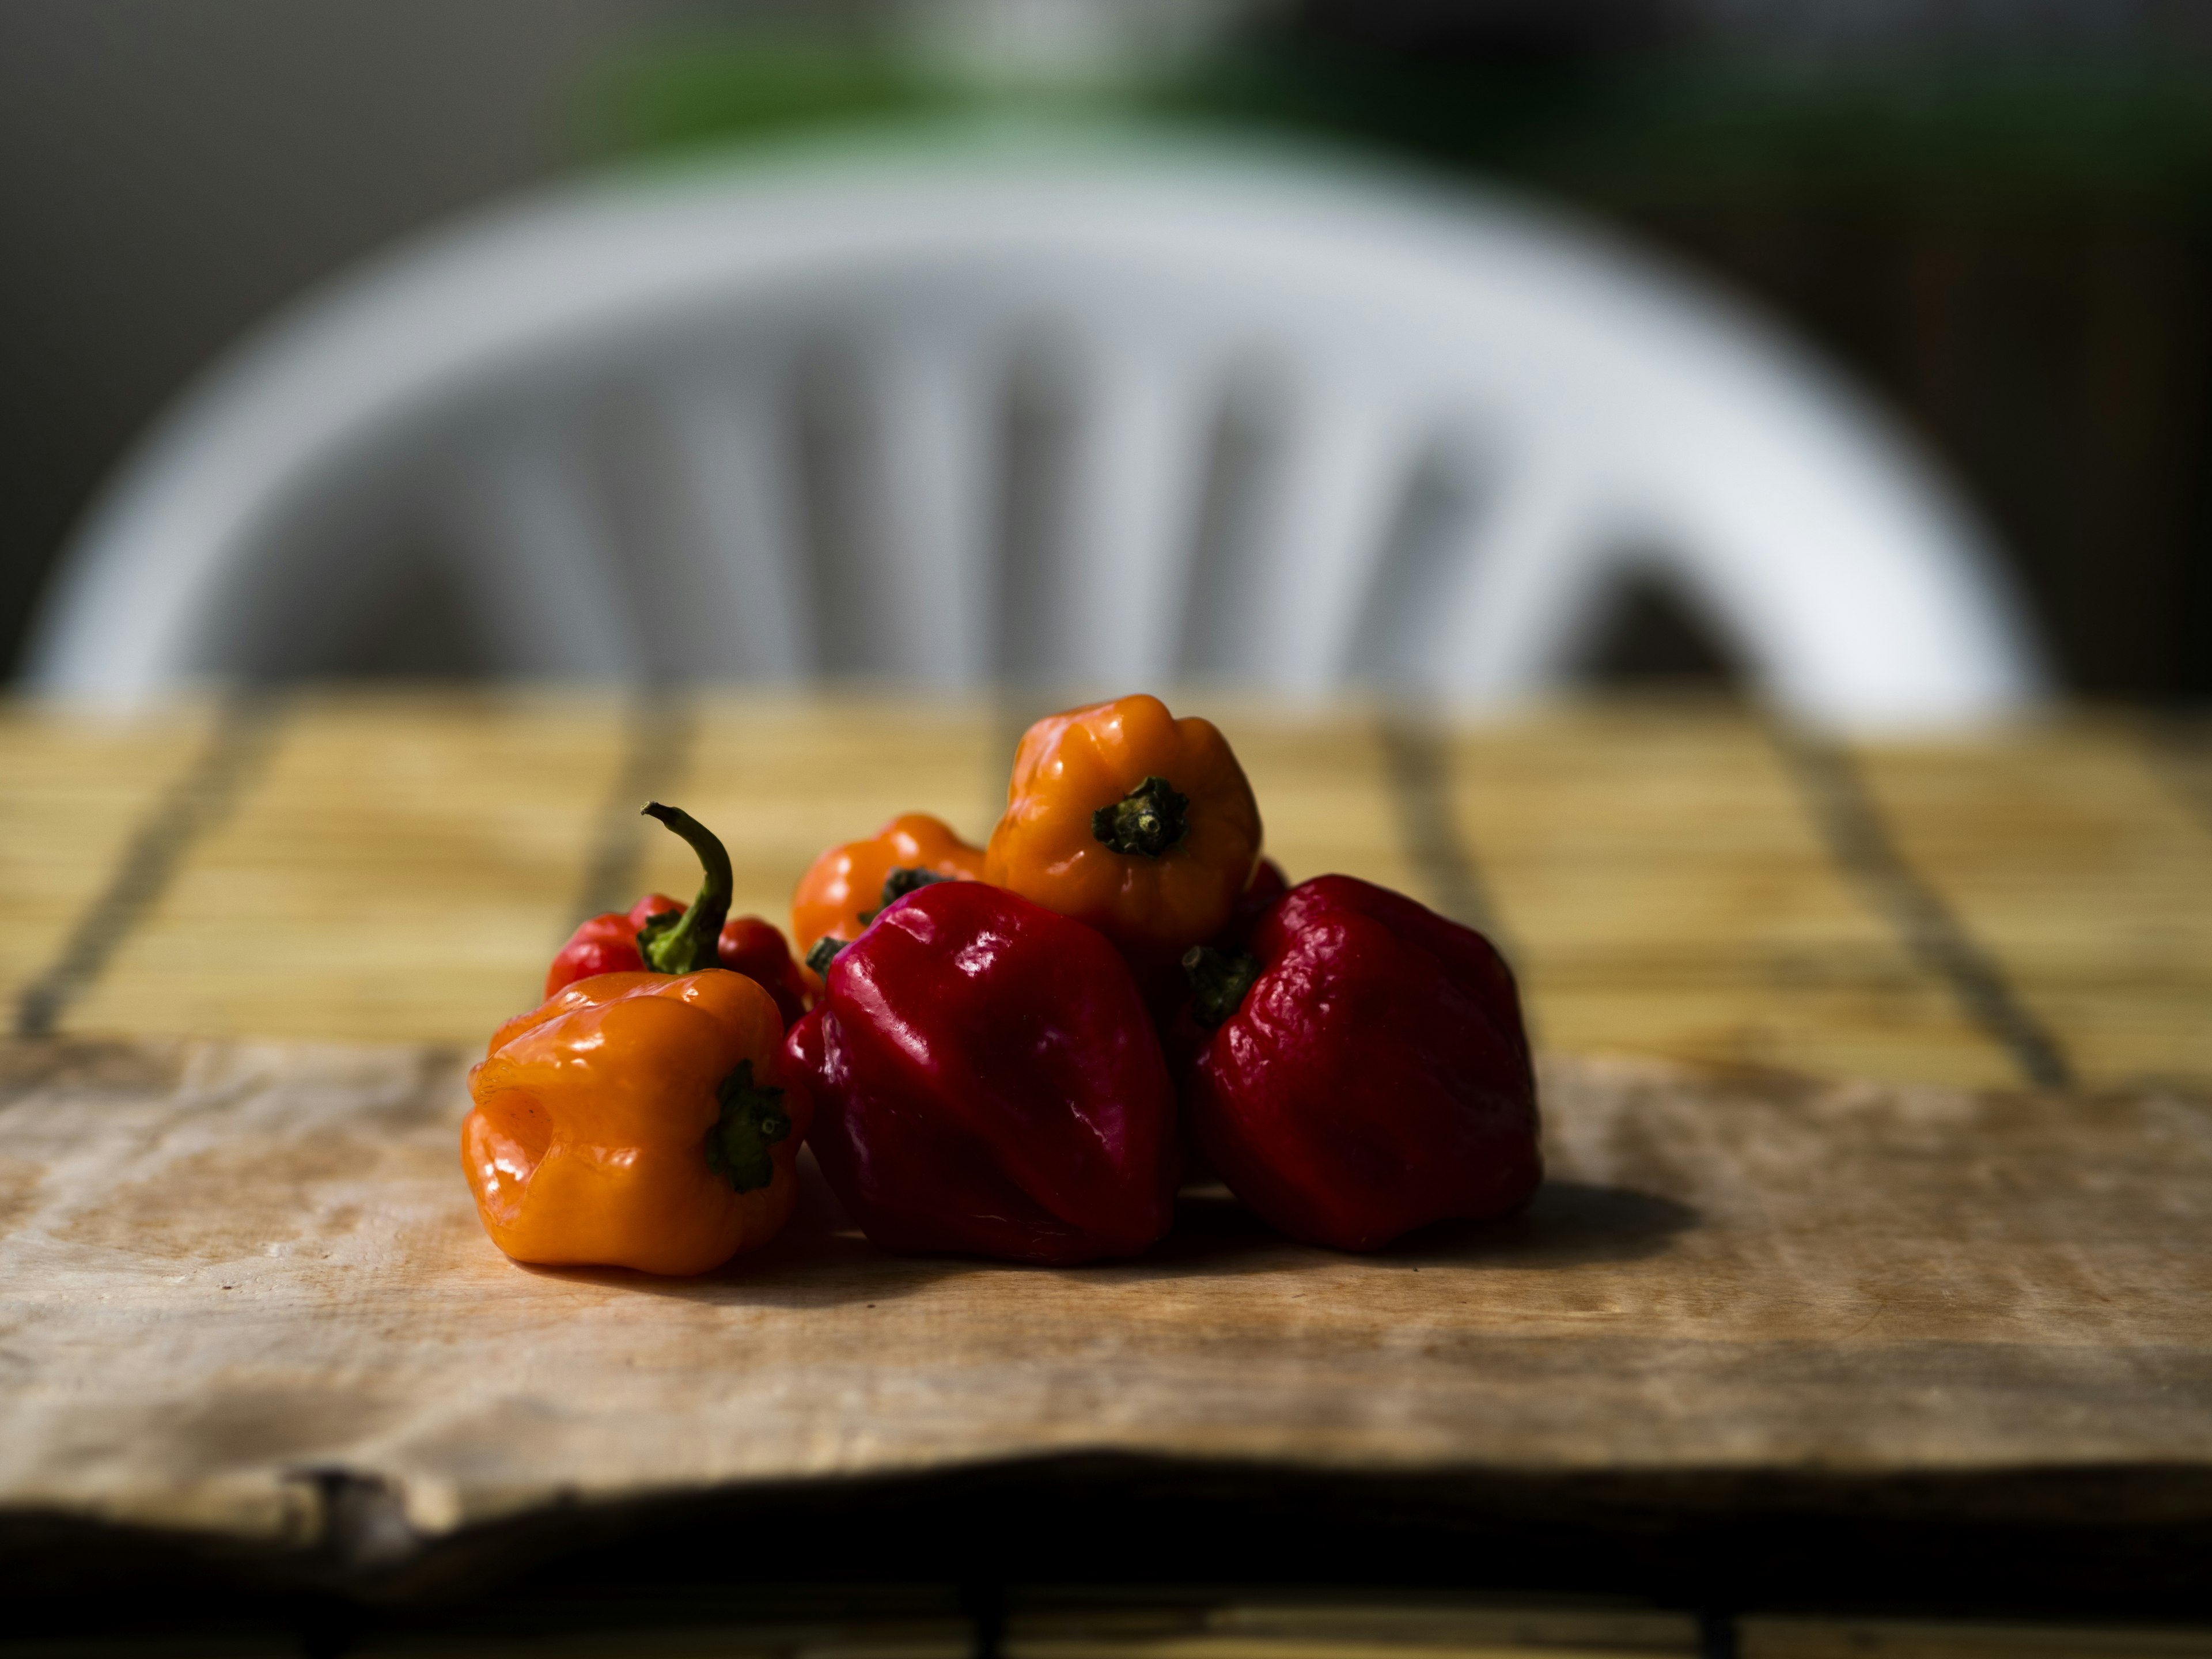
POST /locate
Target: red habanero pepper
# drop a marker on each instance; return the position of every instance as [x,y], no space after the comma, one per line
[607,944]
[677,940]
[1366,1072]
[756,947]
[987,1083]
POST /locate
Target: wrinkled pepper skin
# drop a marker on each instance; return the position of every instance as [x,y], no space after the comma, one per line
[1374,1077]
[843,889]
[634,1121]
[983,1081]
[1131,822]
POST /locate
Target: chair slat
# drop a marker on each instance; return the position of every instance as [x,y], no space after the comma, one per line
[1344,462]
[1134,485]
[732,450]
[531,556]
[934,598]
[1507,621]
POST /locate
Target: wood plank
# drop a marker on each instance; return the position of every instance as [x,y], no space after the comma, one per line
[403,866]
[1669,892]
[79,786]
[227,1266]
[1655,868]
[1324,799]
[2083,873]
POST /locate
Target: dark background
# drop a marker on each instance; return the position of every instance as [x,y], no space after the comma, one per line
[1999,216]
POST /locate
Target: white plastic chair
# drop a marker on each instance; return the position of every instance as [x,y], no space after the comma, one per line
[1089,410]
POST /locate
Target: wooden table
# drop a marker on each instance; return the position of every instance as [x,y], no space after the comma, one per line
[1910,1295]
[1679,880]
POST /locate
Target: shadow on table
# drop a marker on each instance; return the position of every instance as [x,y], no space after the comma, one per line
[1568,1224]
[822,1260]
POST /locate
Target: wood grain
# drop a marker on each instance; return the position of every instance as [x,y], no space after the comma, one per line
[2117,954]
[76,787]
[229,1268]
[1672,892]
[402,862]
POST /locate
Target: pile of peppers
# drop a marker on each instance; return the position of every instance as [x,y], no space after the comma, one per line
[1019,1051]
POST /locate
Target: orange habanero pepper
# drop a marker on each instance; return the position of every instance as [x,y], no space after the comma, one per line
[631,1121]
[841,890]
[1141,825]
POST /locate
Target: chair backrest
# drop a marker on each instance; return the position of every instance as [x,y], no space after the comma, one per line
[1068,411]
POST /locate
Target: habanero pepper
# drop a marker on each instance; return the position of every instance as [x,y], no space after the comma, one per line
[844,888]
[756,947]
[618,942]
[634,1121]
[1131,822]
[1364,1070]
[983,1079]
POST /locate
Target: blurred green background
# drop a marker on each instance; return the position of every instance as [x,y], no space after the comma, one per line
[1999,218]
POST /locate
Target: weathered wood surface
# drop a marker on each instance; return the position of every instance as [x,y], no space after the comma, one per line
[230,1268]
[1672,879]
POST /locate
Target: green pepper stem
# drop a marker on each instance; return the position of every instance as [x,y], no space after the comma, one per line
[1217,981]
[907,879]
[672,943]
[1148,821]
[752,1119]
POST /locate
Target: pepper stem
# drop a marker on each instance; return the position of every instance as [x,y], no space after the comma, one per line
[673,944]
[752,1121]
[1148,821]
[905,878]
[1217,981]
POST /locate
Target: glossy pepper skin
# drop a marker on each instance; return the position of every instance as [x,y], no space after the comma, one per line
[1374,1077]
[842,891]
[983,1081]
[607,944]
[1133,822]
[756,947]
[616,942]
[634,1121]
